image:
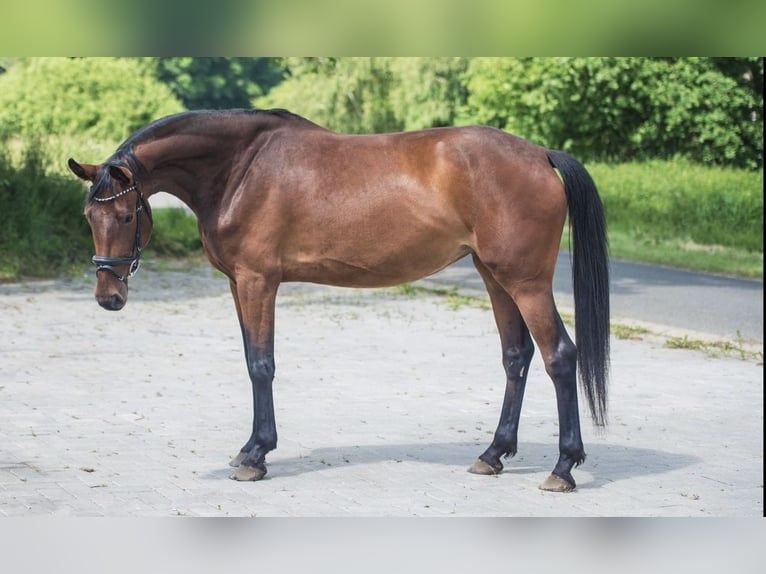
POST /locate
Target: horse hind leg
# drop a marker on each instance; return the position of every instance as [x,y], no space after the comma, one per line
[523,309]
[560,358]
[517,351]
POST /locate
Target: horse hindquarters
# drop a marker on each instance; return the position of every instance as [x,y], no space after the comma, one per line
[519,253]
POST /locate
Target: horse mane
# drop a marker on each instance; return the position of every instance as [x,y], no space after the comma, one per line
[176,122]
[125,157]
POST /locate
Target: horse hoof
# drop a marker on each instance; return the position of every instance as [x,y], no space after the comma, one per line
[246,473]
[481,467]
[557,484]
[237,460]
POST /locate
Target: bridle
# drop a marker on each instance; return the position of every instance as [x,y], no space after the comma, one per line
[134,260]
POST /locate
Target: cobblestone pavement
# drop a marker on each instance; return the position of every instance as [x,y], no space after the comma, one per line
[383,399]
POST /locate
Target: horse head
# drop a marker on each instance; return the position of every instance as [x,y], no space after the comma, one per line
[114,210]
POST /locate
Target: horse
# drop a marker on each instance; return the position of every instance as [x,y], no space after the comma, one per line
[279,198]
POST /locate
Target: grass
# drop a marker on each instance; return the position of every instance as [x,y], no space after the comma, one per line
[675,199]
[174,234]
[628,332]
[454,299]
[684,254]
[676,214]
[42,231]
[735,348]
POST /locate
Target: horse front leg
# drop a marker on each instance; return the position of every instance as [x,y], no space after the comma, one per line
[255,298]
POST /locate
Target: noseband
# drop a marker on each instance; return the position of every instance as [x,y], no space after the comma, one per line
[134,260]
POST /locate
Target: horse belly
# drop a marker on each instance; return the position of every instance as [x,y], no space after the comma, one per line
[376,255]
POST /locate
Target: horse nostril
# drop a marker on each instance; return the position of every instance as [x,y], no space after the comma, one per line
[112,303]
[116,302]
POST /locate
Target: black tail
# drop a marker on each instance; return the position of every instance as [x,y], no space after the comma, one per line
[590,278]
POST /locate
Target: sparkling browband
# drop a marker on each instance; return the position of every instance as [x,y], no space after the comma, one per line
[113,197]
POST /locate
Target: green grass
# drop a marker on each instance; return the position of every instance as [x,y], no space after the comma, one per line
[676,214]
[735,348]
[42,230]
[628,332]
[454,299]
[685,254]
[661,200]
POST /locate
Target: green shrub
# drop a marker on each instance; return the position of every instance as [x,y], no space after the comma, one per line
[372,95]
[101,98]
[175,233]
[42,229]
[624,109]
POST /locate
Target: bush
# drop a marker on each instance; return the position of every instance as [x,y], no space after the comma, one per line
[42,228]
[624,109]
[174,233]
[372,95]
[100,98]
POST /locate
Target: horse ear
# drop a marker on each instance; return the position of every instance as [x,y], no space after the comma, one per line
[84,171]
[121,174]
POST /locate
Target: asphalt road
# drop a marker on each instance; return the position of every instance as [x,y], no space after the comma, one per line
[710,305]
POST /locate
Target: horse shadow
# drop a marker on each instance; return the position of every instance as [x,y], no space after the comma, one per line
[607,463]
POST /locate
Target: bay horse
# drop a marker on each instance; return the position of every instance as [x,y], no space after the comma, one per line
[279,198]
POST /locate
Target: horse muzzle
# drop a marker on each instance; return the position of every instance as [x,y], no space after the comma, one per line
[113,302]
[111,290]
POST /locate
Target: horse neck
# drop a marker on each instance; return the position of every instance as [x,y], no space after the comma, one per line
[194,165]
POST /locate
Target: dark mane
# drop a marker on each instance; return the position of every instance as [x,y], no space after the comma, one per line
[125,157]
[176,121]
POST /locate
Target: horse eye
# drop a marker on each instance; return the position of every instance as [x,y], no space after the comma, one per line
[128,218]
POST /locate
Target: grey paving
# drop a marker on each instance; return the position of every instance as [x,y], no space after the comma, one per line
[383,400]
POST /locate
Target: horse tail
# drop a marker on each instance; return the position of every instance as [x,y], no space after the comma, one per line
[590,279]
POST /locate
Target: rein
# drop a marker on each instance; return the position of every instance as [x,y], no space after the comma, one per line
[134,260]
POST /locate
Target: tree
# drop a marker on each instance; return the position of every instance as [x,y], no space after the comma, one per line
[344,94]
[372,95]
[429,92]
[218,83]
[618,109]
[104,98]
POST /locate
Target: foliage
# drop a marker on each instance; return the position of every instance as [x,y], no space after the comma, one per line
[429,92]
[372,95]
[174,233]
[623,109]
[218,83]
[344,94]
[101,98]
[42,229]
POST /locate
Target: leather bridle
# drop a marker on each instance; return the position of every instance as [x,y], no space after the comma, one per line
[134,260]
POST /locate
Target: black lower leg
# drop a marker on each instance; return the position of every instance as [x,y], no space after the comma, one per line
[516,360]
[264,434]
[562,369]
